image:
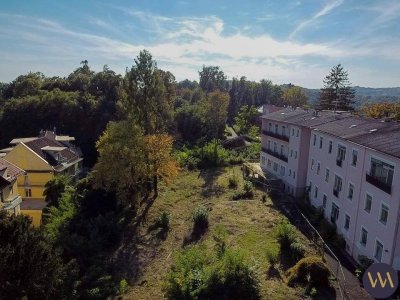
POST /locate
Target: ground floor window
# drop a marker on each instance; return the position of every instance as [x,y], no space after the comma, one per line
[28,193]
[334,213]
[364,237]
[378,251]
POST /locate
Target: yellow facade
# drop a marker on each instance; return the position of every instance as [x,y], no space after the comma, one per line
[38,171]
[34,215]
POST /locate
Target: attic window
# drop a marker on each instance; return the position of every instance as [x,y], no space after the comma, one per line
[373,130]
[352,126]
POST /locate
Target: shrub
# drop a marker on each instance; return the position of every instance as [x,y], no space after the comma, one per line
[200,219]
[163,220]
[297,250]
[248,187]
[272,254]
[365,262]
[286,235]
[198,275]
[219,237]
[123,287]
[314,267]
[313,293]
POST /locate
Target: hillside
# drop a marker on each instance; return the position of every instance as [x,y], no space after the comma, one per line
[364,94]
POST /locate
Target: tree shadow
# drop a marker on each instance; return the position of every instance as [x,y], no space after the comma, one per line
[210,187]
[273,272]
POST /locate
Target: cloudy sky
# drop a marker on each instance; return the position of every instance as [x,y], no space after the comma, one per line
[285,41]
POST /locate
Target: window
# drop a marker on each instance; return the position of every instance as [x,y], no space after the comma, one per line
[334,213]
[294,174]
[354,158]
[314,139]
[291,153]
[382,171]
[292,131]
[275,147]
[312,164]
[330,147]
[384,214]
[327,175]
[270,127]
[364,237]
[290,172]
[318,167]
[269,145]
[28,193]
[351,191]
[283,130]
[297,133]
[282,171]
[347,222]
[269,163]
[341,155]
[26,180]
[263,160]
[316,192]
[276,128]
[368,203]
[281,149]
[321,139]
[275,167]
[295,154]
[378,251]
[324,199]
[338,183]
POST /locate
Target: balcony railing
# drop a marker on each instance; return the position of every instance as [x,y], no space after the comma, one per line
[13,203]
[276,135]
[275,154]
[379,184]
[336,193]
[339,162]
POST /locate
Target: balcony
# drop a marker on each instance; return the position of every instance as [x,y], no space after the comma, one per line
[13,203]
[276,135]
[339,162]
[275,154]
[336,193]
[379,184]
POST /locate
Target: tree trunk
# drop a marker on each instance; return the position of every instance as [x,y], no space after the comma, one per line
[155,186]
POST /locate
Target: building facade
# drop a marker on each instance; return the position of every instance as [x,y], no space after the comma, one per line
[352,173]
[10,200]
[41,158]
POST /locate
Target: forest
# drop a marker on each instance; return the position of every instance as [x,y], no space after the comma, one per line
[137,133]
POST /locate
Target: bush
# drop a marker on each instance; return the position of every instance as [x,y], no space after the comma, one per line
[200,219]
[123,287]
[312,267]
[163,220]
[198,275]
[272,254]
[365,262]
[286,235]
[248,187]
[297,250]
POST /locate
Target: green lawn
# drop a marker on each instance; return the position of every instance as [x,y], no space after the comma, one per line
[250,225]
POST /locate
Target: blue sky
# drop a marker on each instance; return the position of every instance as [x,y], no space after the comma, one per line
[285,41]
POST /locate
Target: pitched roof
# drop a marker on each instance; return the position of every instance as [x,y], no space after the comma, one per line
[372,133]
[11,173]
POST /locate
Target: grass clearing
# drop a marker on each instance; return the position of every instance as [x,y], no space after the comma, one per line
[249,225]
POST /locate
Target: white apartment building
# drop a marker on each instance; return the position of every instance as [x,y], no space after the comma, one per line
[352,168]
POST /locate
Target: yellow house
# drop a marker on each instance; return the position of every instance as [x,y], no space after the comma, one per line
[10,200]
[41,158]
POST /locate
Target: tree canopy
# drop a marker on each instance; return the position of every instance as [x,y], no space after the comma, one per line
[337,92]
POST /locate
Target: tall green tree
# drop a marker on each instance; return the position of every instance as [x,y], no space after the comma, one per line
[294,96]
[148,95]
[216,112]
[29,265]
[246,118]
[212,78]
[337,93]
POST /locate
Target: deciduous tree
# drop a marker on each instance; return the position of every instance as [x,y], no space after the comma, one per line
[294,96]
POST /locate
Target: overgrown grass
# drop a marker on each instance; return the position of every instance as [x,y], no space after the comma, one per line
[248,226]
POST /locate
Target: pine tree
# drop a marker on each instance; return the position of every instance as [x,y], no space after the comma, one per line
[337,94]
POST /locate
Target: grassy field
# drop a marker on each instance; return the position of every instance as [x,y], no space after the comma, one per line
[250,225]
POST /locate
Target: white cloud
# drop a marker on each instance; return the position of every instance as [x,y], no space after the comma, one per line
[182,46]
[324,11]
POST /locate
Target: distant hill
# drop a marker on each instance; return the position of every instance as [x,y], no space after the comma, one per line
[364,95]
